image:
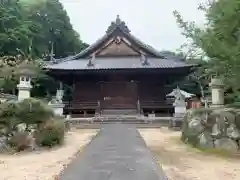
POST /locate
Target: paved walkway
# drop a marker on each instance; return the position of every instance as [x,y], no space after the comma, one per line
[117,153]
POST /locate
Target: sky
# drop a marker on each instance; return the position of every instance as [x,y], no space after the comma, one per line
[152,21]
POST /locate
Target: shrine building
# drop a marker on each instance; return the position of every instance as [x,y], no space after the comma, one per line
[119,72]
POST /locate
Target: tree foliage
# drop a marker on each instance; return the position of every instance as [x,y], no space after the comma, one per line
[219,39]
[14,28]
[53,27]
[29,31]
[195,82]
[12,67]
[32,26]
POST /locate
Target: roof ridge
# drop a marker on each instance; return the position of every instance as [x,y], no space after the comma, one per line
[114,25]
[121,25]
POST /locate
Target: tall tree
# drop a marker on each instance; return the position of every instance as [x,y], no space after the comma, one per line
[33,26]
[219,39]
[14,28]
[54,28]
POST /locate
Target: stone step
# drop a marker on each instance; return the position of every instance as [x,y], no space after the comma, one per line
[119,112]
[99,125]
[124,120]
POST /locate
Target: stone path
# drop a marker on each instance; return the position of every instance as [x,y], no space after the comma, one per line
[117,153]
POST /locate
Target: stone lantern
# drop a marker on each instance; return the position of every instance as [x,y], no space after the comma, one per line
[24,86]
[217,88]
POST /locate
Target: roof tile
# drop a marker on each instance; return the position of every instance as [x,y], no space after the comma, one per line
[117,63]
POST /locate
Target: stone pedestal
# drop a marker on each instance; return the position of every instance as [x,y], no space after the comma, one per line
[57,104]
[24,88]
[151,115]
[57,108]
[179,109]
[179,113]
[217,88]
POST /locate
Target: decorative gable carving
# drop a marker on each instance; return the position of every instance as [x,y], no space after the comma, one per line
[117,47]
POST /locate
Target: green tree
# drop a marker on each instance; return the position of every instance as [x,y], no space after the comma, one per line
[54,27]
[12,67]
[197,81]
[32,28]
[14,28]
[219,39]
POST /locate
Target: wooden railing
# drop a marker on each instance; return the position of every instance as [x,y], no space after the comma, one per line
[98,107]
[82,105]
[155,103]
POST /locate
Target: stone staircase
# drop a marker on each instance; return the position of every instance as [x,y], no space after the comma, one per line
[118,112]
[125,116]
[138,121]
[118,115]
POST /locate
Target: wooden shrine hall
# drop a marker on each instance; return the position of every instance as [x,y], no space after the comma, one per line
[118,72]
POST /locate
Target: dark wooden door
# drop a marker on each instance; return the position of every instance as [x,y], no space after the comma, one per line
[116,95]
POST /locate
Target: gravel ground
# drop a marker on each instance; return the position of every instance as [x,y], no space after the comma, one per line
[44,165]
[181,162]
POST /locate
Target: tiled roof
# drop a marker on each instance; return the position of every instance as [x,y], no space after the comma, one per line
[118,25]
[154,58]
[117,63]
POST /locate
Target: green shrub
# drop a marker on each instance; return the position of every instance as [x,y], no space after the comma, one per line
[184,127]
[8,110]
[200,111]
[190,137]
[187,135]
[32,111]
[20,141]
[29,111]
[8,117]
[51,134]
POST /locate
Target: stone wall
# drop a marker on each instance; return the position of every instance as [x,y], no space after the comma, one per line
[212,128]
